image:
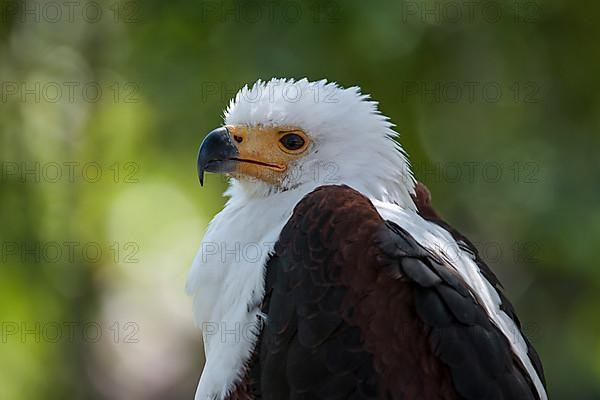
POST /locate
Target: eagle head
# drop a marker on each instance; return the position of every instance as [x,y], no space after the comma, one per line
[283,134]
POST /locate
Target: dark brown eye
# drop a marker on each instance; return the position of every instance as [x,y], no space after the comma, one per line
[292,141]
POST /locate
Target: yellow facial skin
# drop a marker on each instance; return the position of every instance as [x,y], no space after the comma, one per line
[263,155]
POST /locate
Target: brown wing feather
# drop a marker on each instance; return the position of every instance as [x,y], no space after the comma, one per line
[358,310]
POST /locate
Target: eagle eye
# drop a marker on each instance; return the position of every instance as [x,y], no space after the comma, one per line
[292,141]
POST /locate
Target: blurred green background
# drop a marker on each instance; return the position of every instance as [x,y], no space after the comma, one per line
[103,106]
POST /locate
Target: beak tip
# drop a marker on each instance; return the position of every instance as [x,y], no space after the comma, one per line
[215,152]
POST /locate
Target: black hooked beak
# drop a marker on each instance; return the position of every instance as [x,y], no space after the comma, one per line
[216,153]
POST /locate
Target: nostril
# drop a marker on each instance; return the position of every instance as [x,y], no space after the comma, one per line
[238,138]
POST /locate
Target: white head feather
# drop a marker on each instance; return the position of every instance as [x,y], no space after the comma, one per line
[353,143]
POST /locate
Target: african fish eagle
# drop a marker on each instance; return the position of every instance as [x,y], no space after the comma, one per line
[328,275]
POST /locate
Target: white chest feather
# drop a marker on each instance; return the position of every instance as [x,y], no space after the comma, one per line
[227,282]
